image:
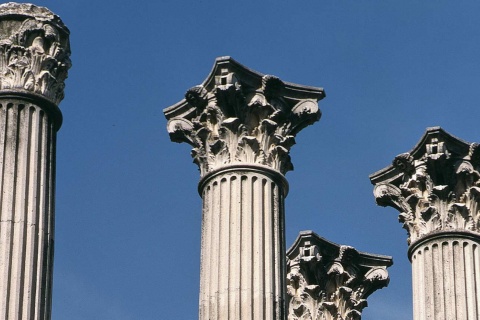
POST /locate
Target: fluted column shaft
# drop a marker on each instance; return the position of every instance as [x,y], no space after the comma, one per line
[243,246]
[34,62]
[446,277]
[241,125]
[436,188]
[27,170]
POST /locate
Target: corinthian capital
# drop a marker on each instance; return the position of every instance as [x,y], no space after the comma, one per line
[34,51]
[435,186]
[328,281]
[240,116]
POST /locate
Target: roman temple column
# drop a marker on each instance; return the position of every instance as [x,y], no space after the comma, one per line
[242,125]
[34,59]
[436,189]
[328,281]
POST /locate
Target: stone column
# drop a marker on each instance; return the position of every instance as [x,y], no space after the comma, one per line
[331,282]
[436,188]
[34,60]
[241,125]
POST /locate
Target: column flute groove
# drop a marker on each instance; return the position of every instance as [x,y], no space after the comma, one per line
[476,263]
[468,258]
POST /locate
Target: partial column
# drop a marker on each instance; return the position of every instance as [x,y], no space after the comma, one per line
[331,282]
[436,188]
[34,59]
[242,125]
[242,238]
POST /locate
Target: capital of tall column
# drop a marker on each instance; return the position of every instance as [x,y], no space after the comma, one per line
[34,59]
[242,125]
[239,116]
[34,52]
[436,189]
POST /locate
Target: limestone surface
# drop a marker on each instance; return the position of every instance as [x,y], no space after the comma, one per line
[238,115]
[329,281]
[241,125]
[436,188]
[34,59]
[34,51]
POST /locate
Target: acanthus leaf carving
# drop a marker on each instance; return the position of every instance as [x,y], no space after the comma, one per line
[331,282]
[242,118]
[437,190]
[36,55]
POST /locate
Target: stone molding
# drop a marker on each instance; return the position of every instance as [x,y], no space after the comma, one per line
[236,168]
[34,51]
[331,282]
[442,235]
[435,186]
[241,116]
[445,277]
[31,98]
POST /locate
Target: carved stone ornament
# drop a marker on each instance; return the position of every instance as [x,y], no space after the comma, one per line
[326,281]
[34,51]
[435,187]
[240,116]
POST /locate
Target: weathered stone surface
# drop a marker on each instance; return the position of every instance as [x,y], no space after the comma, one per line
[436,186]
[34,51]
[241,125]
[241,116]
[27,166]
[242,272]
[34,58]
[445,276]
[331,282]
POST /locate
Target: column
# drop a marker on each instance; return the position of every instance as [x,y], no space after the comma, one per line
[33,63]
[329,281]
[242,240]
[242,125]
[446,275]
[435,187]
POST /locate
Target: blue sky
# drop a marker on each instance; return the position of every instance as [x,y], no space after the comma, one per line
[128,211]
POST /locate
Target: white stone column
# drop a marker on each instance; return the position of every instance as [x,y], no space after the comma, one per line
[436,188]
[33,63]
[446,276]
[242,244]
[241,125]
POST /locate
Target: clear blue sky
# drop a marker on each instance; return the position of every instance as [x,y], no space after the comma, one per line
[128,211]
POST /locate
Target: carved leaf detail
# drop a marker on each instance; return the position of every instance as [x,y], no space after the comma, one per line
[339,290]
[434,192]
[180,130]
[241,124]
[36,59]
[304,113]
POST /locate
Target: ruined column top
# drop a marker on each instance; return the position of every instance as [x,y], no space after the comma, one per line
[331,281]
[34,52]
[424,148]
[332,250]
[238,115]
[435,186]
